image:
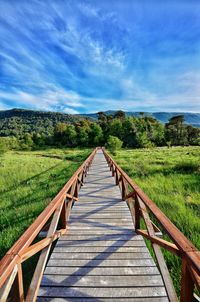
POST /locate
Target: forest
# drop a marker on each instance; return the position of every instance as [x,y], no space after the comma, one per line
[129,132]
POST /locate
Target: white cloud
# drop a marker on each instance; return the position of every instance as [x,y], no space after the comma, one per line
[89,10]
[70,111]
[4,106]
[53,99]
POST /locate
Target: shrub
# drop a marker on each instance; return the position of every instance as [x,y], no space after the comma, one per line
[113,144]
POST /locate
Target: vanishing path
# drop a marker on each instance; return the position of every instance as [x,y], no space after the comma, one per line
[101,258]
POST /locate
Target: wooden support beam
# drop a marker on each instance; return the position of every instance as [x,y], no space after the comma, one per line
[69,203]
[156,228]
[5,289]
[37,247]
[17,290]
[171,247]
[130,195]
[69,196]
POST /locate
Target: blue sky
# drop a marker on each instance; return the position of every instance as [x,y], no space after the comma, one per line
[80,56]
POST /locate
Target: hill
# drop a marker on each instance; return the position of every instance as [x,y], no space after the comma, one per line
[25,121]
[20,121]
[190,118]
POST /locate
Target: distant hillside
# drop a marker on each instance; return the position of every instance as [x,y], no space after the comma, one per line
[190,118]
[19,121]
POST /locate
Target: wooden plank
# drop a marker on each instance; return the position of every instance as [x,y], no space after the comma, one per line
[102,281]
[138,292]
[122,256]
[102,216]
[102,271]
[99,231]
[155,299]
[102,237]
[101,227]
[104,207]
[102,243]
[110,249]
[99,222]
[101,263]
[110,220]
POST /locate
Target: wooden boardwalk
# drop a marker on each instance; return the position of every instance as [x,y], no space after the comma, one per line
[101,258]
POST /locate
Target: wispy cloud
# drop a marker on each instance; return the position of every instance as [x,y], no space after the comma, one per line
[75,56]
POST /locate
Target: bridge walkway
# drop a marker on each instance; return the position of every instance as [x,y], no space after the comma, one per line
[101,258]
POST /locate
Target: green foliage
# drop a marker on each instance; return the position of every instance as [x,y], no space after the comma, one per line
[17,122]
[3,146]
[96,134]
[114,144]
[35,130]
[8,143]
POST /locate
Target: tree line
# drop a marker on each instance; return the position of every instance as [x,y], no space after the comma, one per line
[131,132]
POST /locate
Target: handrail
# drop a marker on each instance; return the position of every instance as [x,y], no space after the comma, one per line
[139,204]
[59,209]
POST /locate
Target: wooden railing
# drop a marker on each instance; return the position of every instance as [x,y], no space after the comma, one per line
[55,215]
[140,205]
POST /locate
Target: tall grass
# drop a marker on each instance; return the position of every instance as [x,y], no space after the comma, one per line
[28,181]
[171,178]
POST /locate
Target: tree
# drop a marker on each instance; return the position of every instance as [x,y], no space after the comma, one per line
[129,132]
[143,141]
[96,134]
[120,115]
[115,128]
[176,131]
[70,136]
[193,135]
[83,136]
[114,144]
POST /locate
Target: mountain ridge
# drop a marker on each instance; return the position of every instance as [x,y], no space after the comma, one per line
[162,116]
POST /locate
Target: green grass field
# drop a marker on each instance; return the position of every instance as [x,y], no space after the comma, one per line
[171,178]
[28,181]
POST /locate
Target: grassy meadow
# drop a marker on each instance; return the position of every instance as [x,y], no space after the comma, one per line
[28,181]
[171,178]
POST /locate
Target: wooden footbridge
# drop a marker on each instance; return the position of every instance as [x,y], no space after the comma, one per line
[94,249]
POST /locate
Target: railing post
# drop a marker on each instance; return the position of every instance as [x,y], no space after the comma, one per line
[124,188]
[187,284]
[63,215]
[17,290]
[137,213]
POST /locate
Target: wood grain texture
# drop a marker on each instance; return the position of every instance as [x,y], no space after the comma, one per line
[157,299]
[101,258]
